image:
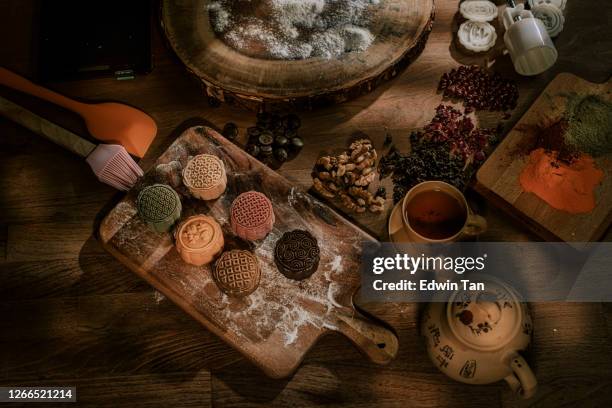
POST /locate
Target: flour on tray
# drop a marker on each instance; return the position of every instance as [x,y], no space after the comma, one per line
[281,311]
[293,29]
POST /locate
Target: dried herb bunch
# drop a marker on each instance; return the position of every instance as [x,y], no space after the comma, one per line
[449,149]
[479,88]
[348,176]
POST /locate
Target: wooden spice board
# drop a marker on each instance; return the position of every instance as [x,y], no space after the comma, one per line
[277,324]
[400,29]
[498,178]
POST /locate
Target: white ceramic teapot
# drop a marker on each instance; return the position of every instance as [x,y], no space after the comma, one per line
[475,336]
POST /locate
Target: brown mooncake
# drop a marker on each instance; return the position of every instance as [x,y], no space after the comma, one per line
[297,254]
[237,273]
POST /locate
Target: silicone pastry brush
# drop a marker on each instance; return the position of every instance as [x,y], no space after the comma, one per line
[111,163]
[108,122]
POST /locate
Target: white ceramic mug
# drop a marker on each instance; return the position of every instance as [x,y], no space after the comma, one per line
[529,44]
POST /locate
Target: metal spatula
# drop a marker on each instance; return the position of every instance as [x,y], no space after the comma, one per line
[111,163]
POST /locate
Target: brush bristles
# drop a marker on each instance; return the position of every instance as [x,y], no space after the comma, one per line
[114,166]
[120,172]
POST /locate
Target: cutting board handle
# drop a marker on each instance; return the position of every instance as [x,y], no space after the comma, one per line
[375,341]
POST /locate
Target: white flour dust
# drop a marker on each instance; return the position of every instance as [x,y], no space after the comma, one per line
[158,297]
[280,310]
[293,29]
[335,265]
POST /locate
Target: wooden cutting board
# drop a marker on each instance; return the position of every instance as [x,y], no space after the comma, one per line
[498,178]
[400,28]
[276,325]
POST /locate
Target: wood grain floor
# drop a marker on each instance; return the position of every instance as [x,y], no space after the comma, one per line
[72,315]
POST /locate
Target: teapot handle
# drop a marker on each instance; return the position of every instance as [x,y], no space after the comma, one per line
[522,380]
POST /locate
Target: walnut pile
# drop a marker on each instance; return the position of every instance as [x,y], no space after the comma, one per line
[348,176]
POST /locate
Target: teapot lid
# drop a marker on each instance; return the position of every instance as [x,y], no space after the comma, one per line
[485,319]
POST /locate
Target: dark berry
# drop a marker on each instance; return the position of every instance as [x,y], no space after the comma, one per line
[281,154]
[281,141]
[253,132]
[265,150]
[230,131]
[292,122]
[263,118]
[266,138]
[253,150]
[297,143]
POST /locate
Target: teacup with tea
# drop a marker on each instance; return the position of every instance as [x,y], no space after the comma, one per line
[437,212]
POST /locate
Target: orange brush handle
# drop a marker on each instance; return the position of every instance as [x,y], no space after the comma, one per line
[19,83]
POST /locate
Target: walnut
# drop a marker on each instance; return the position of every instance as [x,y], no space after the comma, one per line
[376,208]
[364,181]
[360,158]
[321,189]
[326,162]
[359,193]
[324,176]
[348,176]
[351,204]
[332,187]
[367,171]
[360,148]
[377,204]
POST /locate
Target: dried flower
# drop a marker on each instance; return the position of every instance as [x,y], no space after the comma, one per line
[479,88]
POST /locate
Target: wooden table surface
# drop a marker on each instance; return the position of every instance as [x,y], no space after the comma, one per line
[73,315]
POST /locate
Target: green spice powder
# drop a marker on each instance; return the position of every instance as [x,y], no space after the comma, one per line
[589,124]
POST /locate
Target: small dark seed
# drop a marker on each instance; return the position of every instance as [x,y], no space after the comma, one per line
[281,141]
[281,155]
[292,122]
[265,150]
[289,134]
[275,122]
[230,131]
[297,143]
[263,118]
[253,131]
[266,138]
[253,150]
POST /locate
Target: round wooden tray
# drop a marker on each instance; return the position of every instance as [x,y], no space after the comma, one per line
[401,28]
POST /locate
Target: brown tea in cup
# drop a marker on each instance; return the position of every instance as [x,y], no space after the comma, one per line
[436,214]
